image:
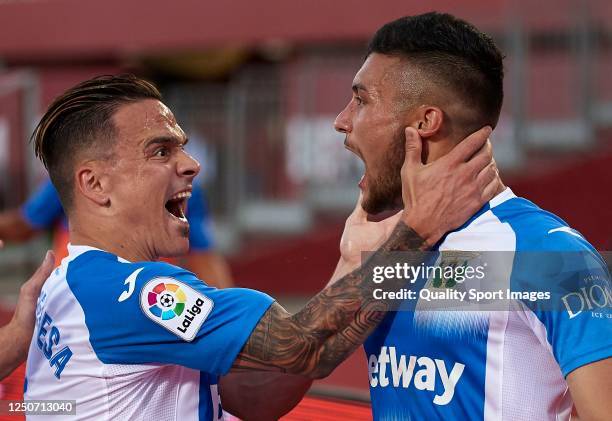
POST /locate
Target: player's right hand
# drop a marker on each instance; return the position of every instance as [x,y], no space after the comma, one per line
[361,234]
[441,196]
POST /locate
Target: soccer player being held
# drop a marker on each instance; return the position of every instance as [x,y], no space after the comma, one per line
[129,337]
[440,76]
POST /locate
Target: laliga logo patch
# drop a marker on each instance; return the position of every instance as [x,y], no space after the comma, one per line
[166,301]
[175,306]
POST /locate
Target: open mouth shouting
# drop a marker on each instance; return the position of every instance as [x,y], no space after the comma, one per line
[362,181]
[177,205]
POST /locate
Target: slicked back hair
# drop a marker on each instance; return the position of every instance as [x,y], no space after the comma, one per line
[453,53]
[80,121]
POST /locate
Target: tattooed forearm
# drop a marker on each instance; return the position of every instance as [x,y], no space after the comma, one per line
[333,324]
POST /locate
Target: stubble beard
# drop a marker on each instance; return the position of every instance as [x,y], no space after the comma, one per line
[385,192]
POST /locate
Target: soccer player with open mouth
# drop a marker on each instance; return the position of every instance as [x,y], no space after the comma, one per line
[130,337]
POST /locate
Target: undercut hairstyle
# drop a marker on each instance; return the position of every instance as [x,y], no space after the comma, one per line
[451,52]
[79,123]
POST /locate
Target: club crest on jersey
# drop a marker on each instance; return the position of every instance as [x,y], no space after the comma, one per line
[175,305]
[452,263]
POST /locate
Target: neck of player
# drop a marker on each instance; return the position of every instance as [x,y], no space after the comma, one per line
[124,246]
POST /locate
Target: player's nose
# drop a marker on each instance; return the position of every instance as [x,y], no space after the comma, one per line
[188,166]
[342,123]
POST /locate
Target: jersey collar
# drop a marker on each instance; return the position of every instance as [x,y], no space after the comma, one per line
[75,251]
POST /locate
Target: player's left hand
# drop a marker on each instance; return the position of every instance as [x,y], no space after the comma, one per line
[23,320]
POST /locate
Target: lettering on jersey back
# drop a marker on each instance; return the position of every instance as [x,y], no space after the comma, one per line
[48,340]
[175,305]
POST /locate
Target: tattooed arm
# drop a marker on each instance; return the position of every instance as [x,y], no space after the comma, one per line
[295,340]
[331,326]
[437,198]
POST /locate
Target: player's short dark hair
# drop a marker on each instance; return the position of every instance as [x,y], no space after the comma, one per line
[454,53]
[80,120]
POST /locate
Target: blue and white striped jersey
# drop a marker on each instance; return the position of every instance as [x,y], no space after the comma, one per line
[508,364]
[137,341]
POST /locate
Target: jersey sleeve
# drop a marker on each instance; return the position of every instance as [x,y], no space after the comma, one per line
[43,207]
[200,230]
[578,319]
[159,313]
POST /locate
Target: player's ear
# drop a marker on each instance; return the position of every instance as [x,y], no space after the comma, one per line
[428,120]
[90,182]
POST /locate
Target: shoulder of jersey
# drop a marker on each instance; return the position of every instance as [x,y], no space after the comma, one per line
[540,230]
[165,294]
[103,267]
[114,279]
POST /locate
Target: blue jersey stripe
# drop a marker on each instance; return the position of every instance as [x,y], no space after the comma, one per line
[205,409]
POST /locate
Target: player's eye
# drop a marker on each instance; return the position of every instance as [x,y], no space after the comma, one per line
[358,100]
[162,152]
